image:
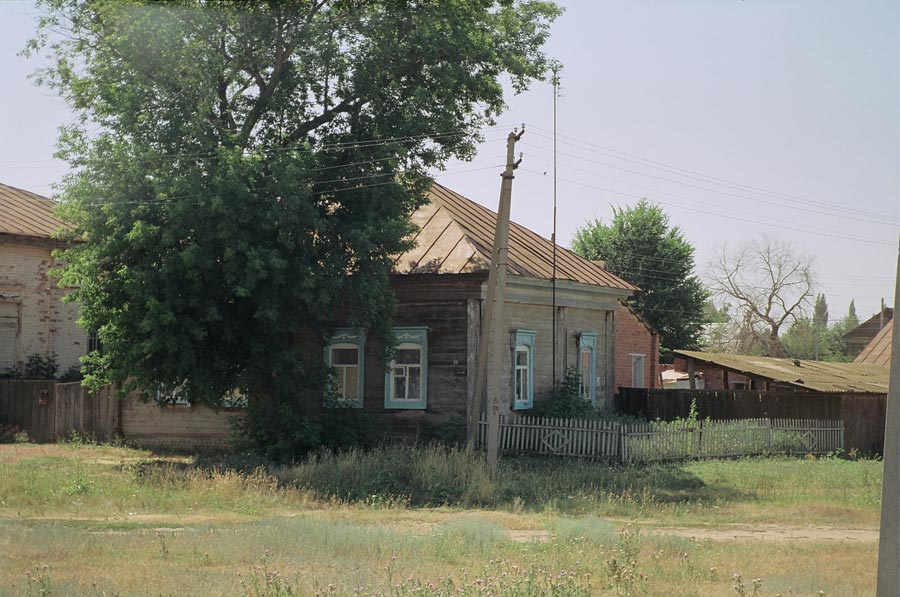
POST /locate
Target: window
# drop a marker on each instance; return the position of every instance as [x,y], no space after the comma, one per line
[345,357]
[406,380]
[94,342]
[166,394]
[523,369]
[9,335]
[587,366]
[637,371]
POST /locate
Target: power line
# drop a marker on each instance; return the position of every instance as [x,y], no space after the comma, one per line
[694,199]
[881,219]
[301,147]
[774,225]
[691,174]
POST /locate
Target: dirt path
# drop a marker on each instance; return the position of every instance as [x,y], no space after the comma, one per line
[745,532]
[737,532]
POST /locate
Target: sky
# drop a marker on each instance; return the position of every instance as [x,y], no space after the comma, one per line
[740,118]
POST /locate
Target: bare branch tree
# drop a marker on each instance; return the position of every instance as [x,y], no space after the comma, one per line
[769,283]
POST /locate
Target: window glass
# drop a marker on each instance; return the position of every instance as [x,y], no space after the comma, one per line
[587,360]
[405,384]
[587,366]
[523,369]
[637,371]
[344,356]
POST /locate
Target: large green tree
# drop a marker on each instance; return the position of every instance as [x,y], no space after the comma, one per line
[641,246]
[244,170]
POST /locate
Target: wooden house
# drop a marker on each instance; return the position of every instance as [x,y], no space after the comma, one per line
[862,335]
[878,351]
[440,288]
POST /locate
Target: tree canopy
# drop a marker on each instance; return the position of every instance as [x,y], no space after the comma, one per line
[642,247]
[242,171]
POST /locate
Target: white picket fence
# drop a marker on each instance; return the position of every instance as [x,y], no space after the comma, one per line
[661,440]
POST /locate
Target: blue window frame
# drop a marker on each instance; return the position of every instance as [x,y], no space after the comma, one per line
[523,369]
[587,366]
[406,378]
[345,357]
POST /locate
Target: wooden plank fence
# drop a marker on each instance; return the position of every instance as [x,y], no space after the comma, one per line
[659,440]
[51,411]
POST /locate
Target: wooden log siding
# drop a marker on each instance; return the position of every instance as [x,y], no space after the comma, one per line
[655,441]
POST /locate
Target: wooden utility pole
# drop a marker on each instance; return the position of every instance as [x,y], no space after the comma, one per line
[492,346]
[889,538]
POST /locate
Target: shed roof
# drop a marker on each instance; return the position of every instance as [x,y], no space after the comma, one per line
[456,235]
[878,351]
[25,213]
[809,375]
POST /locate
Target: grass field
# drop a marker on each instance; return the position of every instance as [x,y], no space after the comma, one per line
[102,520]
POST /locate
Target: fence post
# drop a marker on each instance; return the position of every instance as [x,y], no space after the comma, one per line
[620,443]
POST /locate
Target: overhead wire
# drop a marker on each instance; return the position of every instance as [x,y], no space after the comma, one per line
[690,174]
[772,224]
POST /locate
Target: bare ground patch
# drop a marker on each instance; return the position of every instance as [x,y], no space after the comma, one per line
[746,532]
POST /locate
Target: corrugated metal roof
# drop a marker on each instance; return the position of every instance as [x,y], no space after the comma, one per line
[27,214]
[457,235]
[878,351]
[810,375]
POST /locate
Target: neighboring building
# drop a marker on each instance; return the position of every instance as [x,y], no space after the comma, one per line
[440,287]
[878,351]
[33,318]
[747,372]
[637,350]
[860,336]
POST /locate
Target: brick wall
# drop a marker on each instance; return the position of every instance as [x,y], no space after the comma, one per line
[634,337]
[45,325]
[178,427]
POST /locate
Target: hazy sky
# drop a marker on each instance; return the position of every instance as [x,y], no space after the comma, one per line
[739,117]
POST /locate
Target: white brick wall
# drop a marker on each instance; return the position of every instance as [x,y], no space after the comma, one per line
[46,325]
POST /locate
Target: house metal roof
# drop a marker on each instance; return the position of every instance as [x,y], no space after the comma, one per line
[27,214]
[878,351]
[456,235]
[809,375]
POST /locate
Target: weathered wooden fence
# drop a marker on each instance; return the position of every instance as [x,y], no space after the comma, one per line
[665,440]
[50,411]
[863,415]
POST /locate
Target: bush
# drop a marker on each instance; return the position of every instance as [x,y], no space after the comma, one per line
[9,434]
[73,373]
[39,366]
[568,402]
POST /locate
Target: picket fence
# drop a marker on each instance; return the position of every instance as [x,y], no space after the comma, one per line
[659,440]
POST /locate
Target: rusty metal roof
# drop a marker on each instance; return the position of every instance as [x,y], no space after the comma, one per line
[456,235]
[27,214]
[878,351]
[808,375]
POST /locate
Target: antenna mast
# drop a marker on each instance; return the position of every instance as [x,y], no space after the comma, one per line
[555,81]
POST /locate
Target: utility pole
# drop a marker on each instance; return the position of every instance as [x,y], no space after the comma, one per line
[889,538]
[492,346]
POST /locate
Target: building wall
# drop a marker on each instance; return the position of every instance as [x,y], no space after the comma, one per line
[633,337]
[450,307]
[714,377]
[175,426]
[44,324]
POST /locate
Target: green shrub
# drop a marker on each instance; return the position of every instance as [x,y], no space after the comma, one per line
[566,402]
[73,373]
[39,366]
